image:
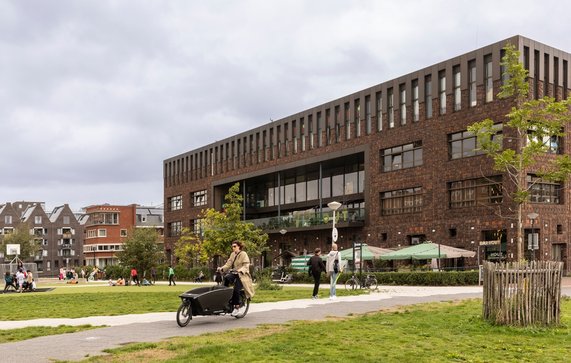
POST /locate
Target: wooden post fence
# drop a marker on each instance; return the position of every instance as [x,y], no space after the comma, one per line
[522,293]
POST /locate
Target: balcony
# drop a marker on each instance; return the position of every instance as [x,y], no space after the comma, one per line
[311,219]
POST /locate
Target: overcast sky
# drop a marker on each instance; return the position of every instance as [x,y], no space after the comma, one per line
[95,94]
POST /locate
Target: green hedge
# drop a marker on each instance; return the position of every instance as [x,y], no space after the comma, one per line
[429,278]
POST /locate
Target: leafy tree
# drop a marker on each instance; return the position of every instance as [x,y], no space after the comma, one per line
[528,131]
[219,228]
[141,250]
[21,235]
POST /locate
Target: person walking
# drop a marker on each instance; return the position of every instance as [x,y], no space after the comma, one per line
[153,275]
[239,266]
[316,267]
[333,269]
[171,276]
[135,277]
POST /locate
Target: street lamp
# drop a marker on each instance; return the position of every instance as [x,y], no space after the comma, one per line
[533,243]
[334,206]
[283,231]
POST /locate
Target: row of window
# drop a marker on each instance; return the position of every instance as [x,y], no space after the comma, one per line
[468,193]
[197,199]
[102,232]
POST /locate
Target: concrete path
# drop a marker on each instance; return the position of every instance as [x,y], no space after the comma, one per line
[158,326]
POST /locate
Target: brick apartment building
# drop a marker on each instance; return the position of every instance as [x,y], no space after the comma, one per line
[396,155]
[59,234]
[108,226]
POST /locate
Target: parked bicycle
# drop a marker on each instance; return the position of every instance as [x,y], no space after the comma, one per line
[368,282]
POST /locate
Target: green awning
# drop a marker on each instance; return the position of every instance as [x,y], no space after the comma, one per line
[427,251]
[369,252]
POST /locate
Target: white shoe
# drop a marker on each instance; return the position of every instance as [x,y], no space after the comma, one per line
[332,297]
[234,312]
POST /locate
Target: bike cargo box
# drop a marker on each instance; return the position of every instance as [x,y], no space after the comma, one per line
[209,300]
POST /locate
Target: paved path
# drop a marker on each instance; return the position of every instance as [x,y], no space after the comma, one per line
[158,326]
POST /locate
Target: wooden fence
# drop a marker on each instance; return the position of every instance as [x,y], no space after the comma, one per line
[522,293]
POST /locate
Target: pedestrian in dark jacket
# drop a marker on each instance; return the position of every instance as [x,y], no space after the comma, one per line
[316,267]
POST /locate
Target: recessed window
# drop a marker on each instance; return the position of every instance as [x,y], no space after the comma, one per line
[199,198]
[175,203]
[474,192]
[123,233]
[401,201]
[402,157]
[102,232]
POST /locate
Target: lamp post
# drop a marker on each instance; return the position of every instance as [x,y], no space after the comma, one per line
[334,206]
[533,243]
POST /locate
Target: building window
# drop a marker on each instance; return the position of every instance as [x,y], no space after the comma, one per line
[391,107]
[123,233]
[347,122]
[464,144]
[302,133]
[368,116]
[175,203]
[402,104]
[488,81]
[415,102]
[38,220]
[442,91]
[357,112]
[319,130]
[551,144]
[428,95]
[91,233]
[402,157]
[65,219]
[456,77]
[8,219]
[175,229]
[379,111]
[473,192]
[542,191]
[472,82]
[337,123]
[401,201]
[197,226]
[199,198]
[102,232]
[310,130]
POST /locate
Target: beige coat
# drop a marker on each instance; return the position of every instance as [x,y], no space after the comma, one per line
[242,265]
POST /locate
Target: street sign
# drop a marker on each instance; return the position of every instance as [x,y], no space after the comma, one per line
[334,234]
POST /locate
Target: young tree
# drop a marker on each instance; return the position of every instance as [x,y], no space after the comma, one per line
[529,131]
[141,250]
[219,228]
[21,235]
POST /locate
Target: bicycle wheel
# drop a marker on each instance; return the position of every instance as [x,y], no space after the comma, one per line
[351,284]
[183,314]
[372,283]
[244,306]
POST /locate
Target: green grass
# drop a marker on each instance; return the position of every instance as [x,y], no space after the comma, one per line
[442,332]
[77,301]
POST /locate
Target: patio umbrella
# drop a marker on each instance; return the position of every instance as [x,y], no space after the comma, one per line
[369,252]
[427,251]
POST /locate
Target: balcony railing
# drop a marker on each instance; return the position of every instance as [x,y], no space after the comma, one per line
[311,219]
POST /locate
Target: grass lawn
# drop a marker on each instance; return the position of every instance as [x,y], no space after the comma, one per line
[438,332]
[78,301]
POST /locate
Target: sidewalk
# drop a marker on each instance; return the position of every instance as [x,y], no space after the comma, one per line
[385,292]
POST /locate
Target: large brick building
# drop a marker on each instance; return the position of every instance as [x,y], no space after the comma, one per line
[396,155]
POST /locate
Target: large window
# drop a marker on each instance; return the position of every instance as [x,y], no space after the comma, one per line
[197,226]
[402,104]
[415,103]
[401,201]
[488,81]
[391,108]
[542,191]
[402,157]
[175,203]
[174,229]
[428,95]
[368,117]
[442,91]
[199,198]
[464,144]
[379,111]
[472,192]
[457,91]
[104,218]
[552,144]
[472,82]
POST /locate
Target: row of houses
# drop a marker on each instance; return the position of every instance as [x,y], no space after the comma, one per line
[72,239]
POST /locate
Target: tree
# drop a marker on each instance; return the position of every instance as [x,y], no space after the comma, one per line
[219,229]
[21,235]
[141,250]
[530,130]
